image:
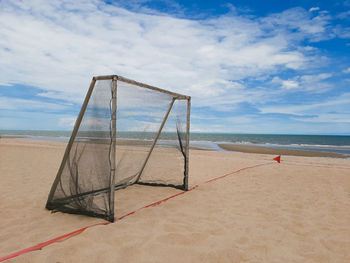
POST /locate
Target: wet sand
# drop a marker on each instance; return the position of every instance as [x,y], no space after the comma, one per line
[278,151]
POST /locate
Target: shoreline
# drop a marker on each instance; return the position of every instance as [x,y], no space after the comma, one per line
[278,151]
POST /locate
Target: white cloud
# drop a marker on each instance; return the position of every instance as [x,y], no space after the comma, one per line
[308,26]
[71,96]
[330,105]
[314,78]
[309,48]
[290,84]
[5,84]
[327,118]
[59,45]
[309,83]
[66,122]
[347,70]
[28,120]
[314,9]
[342,31]
[344,15]
[7,103]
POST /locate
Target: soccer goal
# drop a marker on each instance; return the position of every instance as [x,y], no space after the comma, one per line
[126,133]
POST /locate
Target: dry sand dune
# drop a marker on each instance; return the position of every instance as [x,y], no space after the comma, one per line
[296,211]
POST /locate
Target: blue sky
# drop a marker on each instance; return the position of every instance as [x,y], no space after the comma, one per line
[250,66]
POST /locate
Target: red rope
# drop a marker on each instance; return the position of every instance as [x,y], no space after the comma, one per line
[240,170]
[76,232]
[44,244]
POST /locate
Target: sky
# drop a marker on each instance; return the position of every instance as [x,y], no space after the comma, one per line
[278,67]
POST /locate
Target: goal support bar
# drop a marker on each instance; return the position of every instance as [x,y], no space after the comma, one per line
[143,85]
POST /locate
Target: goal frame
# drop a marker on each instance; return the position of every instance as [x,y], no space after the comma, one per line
[113,186]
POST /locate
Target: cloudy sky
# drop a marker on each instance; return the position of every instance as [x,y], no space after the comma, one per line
[250,66]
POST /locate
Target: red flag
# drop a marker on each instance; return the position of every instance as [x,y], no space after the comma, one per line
[278,158]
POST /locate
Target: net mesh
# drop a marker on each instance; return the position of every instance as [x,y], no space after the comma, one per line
[83,185]
[150,148]
[166,165]
[140,113]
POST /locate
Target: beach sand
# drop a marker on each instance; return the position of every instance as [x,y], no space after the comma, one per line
[296,211]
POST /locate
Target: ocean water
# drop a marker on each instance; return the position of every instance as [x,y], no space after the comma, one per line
[327,143]
[38,135]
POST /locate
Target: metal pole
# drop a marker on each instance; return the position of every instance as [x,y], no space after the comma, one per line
[113,145]
[130,81]
[143,85]
[187,143]
[156,139]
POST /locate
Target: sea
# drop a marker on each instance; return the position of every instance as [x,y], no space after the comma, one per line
[210,141]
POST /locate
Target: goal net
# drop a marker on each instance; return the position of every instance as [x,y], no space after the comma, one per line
[126,133]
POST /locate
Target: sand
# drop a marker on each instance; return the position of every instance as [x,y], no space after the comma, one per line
[296,211]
